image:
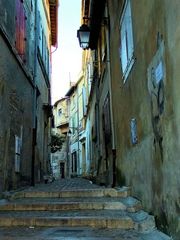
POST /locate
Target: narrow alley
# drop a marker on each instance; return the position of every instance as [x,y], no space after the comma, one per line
[75,209]
[92,155]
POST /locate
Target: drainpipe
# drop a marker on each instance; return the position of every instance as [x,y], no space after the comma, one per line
[34,97]
[110,95]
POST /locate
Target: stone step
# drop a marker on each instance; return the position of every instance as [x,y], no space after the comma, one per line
[92,218]
[99,192]
[132,204]
[42,204]
[101,207]
[140,221]
[143,221]
[65,205]
[154,235]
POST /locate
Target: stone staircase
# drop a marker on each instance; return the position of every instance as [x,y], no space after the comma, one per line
[102,208]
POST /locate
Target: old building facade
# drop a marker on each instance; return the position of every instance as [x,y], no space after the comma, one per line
[26,36]
[77,134]
[98,77]
[60,158]
[133,49]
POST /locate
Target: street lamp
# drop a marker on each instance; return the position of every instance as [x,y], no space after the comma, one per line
[83,35]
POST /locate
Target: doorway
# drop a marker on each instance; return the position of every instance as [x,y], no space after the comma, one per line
[62,172]
[74,163]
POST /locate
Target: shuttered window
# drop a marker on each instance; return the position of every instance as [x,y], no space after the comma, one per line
[43,46]
[126,38]
[20,29]
[84,101]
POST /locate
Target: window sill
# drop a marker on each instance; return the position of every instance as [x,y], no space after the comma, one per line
[128,69]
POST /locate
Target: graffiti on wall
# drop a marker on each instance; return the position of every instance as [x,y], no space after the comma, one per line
[156,88]
[156,75]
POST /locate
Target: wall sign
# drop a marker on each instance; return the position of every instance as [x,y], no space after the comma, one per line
[17,153]
[159,73]
[133,126]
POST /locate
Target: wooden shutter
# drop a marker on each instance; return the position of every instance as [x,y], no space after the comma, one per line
[20,29]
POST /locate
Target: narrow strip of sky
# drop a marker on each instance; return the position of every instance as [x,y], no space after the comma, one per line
[66,60]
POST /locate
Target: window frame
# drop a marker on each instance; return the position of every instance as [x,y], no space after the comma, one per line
[126,40]
[59,112]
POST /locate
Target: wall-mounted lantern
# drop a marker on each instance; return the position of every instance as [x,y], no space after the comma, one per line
[83,35]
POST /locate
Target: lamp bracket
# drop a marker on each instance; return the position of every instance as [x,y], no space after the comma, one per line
[105,20]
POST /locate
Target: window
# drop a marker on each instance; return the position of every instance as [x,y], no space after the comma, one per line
[84,101]
[20,29]
[126,38]
[74,162]
[43,46]
[94,130]
[73,124]
[59,112]
[89,76]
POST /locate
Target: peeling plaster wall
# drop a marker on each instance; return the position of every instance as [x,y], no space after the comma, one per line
[16,93]
[152,166]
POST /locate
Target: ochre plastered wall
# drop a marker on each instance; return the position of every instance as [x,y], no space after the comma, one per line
[151,166]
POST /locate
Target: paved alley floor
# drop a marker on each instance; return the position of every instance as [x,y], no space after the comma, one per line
[56,233]
[65,184]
